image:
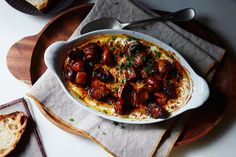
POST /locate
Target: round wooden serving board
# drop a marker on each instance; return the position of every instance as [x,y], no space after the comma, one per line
[25,62]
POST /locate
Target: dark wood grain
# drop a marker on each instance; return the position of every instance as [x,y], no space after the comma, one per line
[25,61]
[25,57]
[19,58]
[222,101]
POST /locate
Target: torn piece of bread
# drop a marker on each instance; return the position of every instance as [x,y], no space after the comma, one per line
[39,4]
[12,126]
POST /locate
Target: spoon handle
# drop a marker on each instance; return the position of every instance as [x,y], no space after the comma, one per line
[179,16]
[130,24]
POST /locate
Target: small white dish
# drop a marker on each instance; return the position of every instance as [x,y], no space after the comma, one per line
[56,53]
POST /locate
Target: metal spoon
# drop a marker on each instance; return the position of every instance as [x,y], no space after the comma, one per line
[113,23]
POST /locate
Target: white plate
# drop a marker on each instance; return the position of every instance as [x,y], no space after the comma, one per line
[56,53]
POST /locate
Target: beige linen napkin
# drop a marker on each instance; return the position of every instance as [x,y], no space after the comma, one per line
[122,139]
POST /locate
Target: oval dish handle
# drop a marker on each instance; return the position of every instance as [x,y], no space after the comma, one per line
[54,56]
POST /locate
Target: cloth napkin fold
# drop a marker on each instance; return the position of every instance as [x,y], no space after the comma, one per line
[122,139]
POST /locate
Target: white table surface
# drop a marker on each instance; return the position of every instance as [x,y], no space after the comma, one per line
[14,25]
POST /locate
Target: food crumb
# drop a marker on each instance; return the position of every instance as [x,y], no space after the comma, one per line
[110,102]
[72,119]
[105,111]
[115,123]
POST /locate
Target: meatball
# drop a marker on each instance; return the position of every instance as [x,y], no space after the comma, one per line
[125,91]
[122,107]
[153,82]
[107,58]
[149,88]
[75,54]
[119,106]
[81,78]
[136,47]
[92,52]
[69,74]
[169,89]
[156,111]
[99,93]
[152,65]
[78,66]
[143,73]
[164,66]
[139,98]
[174,73]
[103,75]
[161,98]
[96,83]
[143,95]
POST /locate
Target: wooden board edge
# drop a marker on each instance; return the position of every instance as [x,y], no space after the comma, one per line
[57,121]
[19,56]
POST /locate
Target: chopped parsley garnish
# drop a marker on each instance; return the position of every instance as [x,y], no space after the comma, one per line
[158,54]
[148,59]
[171,56]
[115,59]
[148,70]
[128,57]
[112,49]
[116,89]
[105,111]
[129,38]
[121,65]
[123,80]
[110,102]
[129,63]
[72,119]
[99,126]
[113,37]
[131,71]
[122,127]
[144,59]
[91,64]
[103,133]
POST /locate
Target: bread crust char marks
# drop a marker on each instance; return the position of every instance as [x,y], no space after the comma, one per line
[40,5]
